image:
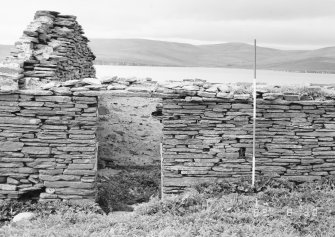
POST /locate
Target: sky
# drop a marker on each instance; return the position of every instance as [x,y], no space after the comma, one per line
[283,24]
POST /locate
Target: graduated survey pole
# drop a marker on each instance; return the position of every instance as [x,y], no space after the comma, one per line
[162,167]
[254,121]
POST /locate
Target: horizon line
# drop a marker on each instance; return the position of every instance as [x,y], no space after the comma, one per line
[204,43]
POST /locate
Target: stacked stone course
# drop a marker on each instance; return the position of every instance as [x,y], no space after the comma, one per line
[296,138]
[205,140]
[207,129]
[47,140]
[48,136]
[208,135]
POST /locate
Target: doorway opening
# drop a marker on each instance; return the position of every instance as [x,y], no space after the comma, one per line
[129,165]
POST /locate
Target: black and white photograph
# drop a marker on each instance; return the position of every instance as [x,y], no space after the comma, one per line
[167,118]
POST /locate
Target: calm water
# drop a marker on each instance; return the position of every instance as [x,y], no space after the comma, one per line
[219,75]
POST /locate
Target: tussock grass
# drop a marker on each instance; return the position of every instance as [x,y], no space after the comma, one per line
[274,208]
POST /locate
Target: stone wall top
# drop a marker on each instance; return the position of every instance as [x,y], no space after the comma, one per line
[188,89]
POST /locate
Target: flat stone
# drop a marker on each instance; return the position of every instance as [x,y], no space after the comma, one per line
[272,96]
[59,177]
[36,150]
[72,148]
[330,126]
[140,89]
[63,184]
[271,168]
[26,170]
[60,99]
[206,94]
[12,181]
[11,165]
[23,216]
[36,92]
[106,80]
[79,172]
[317,134]
[191,88]
[75,191]
[8,187]
[80,166]
[48,196]
[70,82]
[91,81]
[62,90]
[48,85]
[187,181]
[11,146]
[31,104]
[242,97]
[291,97]
[42,164]
[116,87]
[9,97]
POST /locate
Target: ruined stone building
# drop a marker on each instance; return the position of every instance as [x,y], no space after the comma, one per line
[51,136]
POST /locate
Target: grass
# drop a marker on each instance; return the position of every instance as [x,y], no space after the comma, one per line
[279,208]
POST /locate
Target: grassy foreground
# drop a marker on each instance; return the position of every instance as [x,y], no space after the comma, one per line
[275,209]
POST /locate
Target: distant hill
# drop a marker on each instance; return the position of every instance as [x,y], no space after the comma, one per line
[233,55]
[228,55]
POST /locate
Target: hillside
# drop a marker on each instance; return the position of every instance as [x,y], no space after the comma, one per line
[234,55]
[229,55]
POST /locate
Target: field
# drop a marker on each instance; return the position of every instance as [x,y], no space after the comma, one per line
[273,208]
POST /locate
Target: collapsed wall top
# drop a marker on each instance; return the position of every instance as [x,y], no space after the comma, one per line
[52,48]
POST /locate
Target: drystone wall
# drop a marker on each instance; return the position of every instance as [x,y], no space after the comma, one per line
[47,130]
[208,136]
[47,143]
[207,128]
[51,49]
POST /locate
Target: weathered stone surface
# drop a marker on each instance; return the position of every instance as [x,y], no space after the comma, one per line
[80,148]
[23,216]
[36,150]
[81,166]
[19,121]
[91,81]
[116,87]
[70,82]
[59,99]
[8,187]
[36,92]
[106,80]
[317,134]
[79,172]
[70,184]
[11,146]
[59,177]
